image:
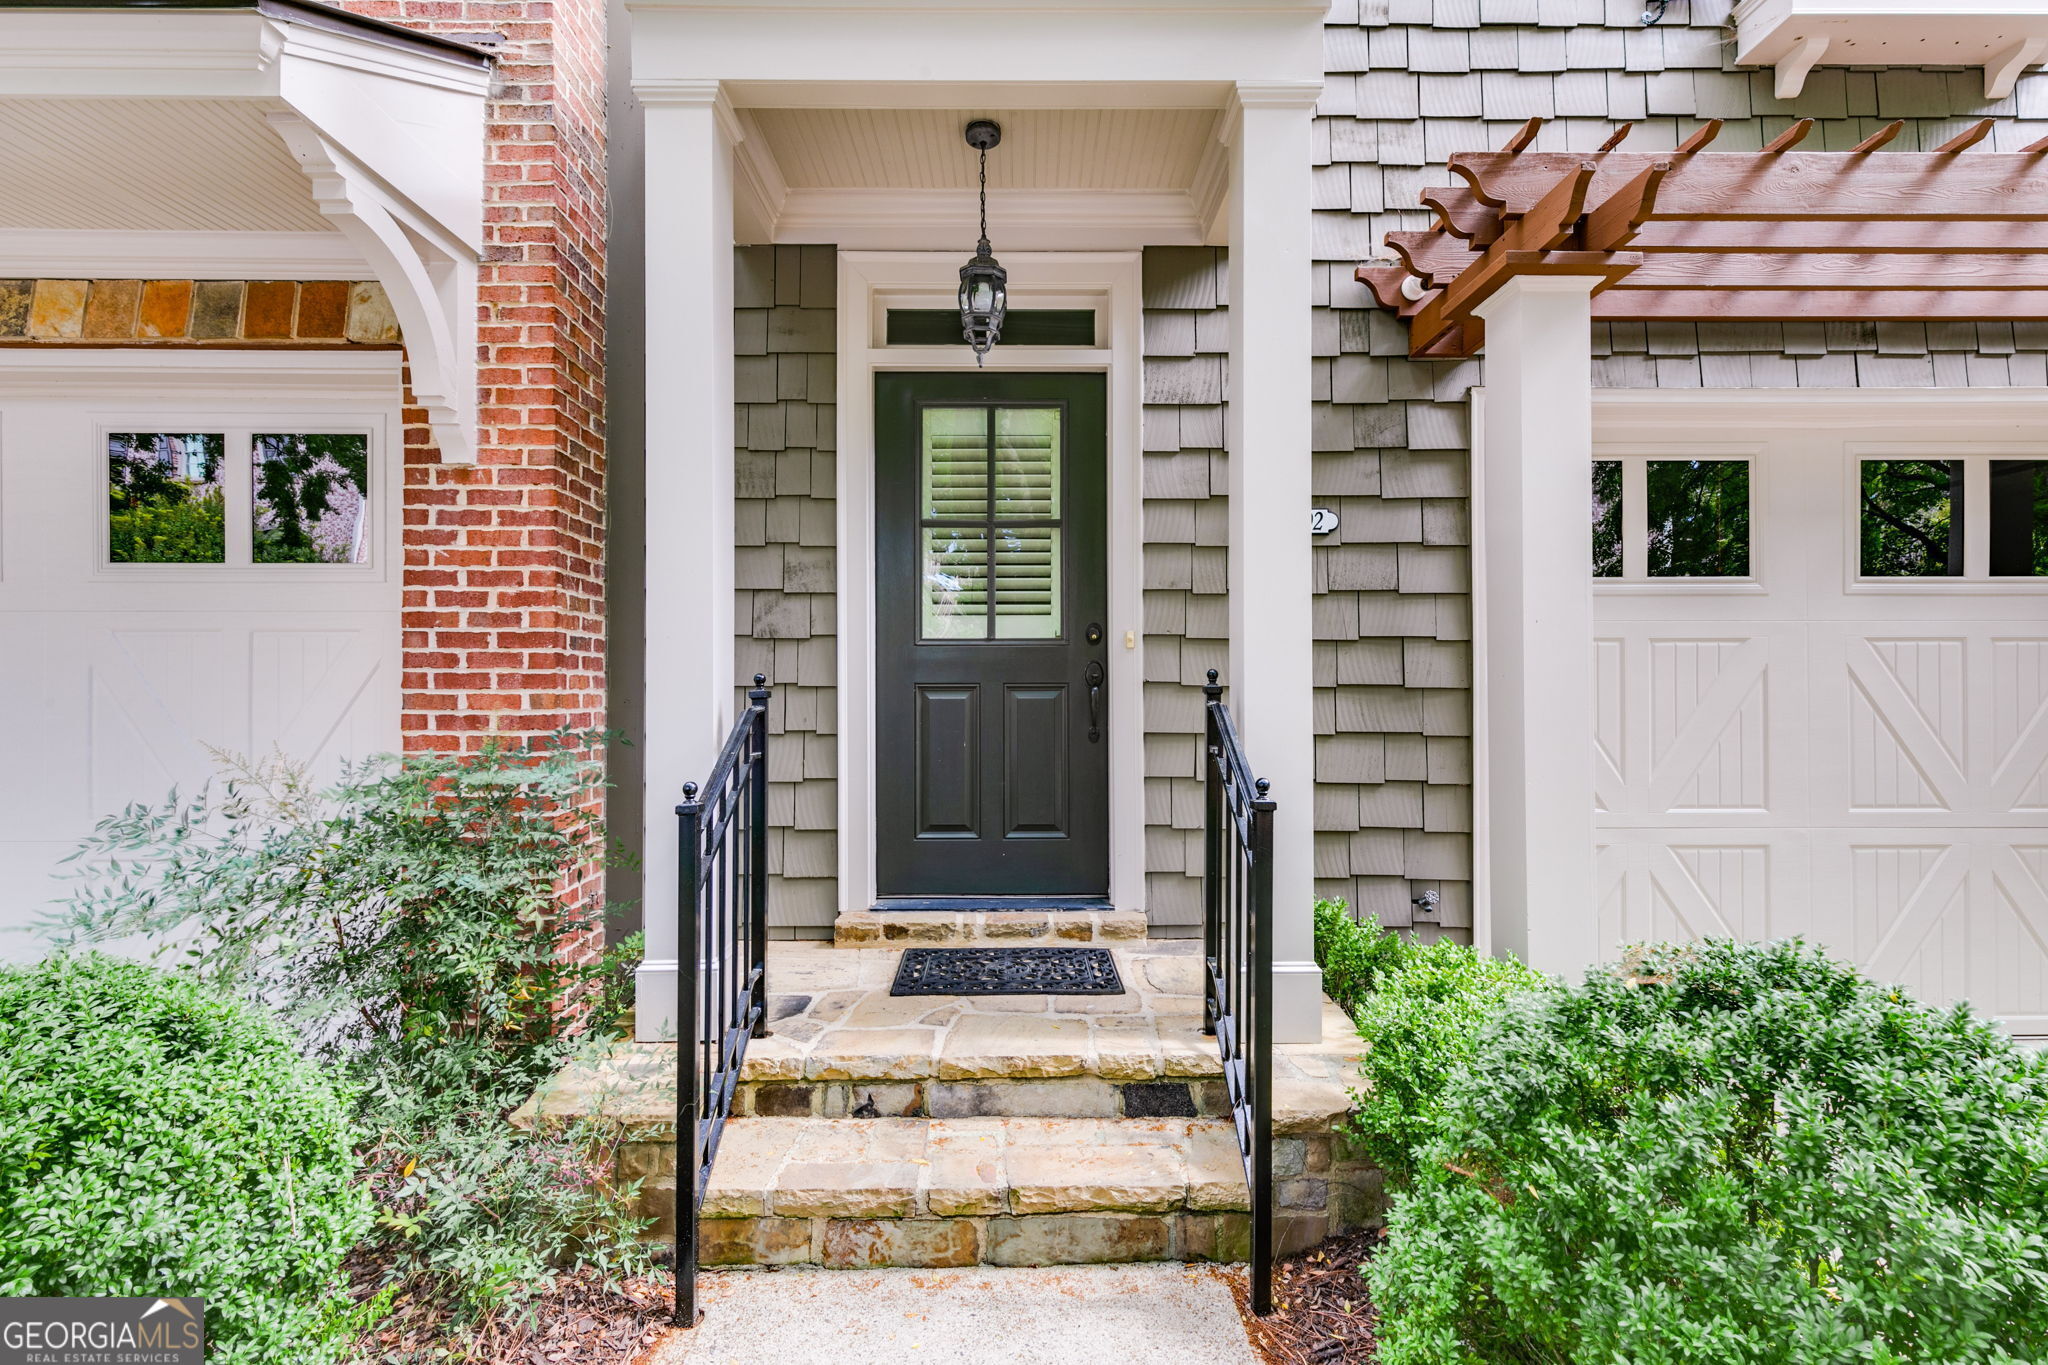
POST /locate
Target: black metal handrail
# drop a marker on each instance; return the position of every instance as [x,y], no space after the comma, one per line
[721,962]
[1237,942]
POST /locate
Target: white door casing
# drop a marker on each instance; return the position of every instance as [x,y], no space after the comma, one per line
[1862,762]
[120,680]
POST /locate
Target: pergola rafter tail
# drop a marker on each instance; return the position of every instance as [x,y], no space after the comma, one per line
[1769,235]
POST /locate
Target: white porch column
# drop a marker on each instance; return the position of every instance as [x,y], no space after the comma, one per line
[1271,579]
[1535,444]
[690,132]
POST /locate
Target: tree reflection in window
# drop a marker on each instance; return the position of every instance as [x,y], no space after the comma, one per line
[1607,518]
[2019,518]
[310,499]
[1699,518]
[1912,519]
[165,501]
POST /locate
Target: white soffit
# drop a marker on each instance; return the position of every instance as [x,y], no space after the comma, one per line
[150,165]
[160,142]
[2002,36]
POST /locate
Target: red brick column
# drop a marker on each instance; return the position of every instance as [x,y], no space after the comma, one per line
[504,561]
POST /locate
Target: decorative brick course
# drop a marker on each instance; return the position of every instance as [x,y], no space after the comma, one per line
[224,313]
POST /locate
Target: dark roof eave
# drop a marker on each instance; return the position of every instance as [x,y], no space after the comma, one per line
[308,14]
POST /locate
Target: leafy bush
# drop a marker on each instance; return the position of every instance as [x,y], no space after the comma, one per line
[190,530]
[1728,1153]
[1422,1023]
[408,922]
[158,1139]
[1352,955]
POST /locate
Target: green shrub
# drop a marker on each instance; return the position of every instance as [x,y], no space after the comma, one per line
[1728,1153]
[191,530]
[1423,1022]
[1352,955]
[157,1139]
[408,922]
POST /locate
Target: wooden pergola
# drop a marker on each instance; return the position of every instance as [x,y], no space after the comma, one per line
[1773,235]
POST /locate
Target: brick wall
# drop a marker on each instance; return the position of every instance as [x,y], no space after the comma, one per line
[504,561]
[785,430]
[1409,83]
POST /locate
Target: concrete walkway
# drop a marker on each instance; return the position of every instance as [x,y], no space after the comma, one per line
[1060,1315]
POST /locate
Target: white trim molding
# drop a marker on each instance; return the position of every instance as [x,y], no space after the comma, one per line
[388,128]
[870,283]
[1539,904]
[1794,36]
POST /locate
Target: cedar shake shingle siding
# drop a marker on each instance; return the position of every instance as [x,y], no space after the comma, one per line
[785,435]
[1409,83]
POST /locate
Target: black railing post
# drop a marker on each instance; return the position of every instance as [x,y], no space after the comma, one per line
[689,817]
[1212,846]
[757,851]
[1260,1057]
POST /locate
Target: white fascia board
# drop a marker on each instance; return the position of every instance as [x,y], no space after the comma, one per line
[2002,36]
[1155,52]
[145,255]
[137,54]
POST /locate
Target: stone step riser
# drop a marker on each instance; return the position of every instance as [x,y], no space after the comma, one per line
[1041,1239]
[1079,1097]
[960,928]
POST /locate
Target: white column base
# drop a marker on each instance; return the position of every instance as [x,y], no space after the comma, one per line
[654,1002]
[1297,1002]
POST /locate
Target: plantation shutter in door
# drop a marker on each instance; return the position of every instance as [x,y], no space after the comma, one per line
[991,564]
[1027,562]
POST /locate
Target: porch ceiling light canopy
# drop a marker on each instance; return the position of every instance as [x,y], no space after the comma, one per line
[1775,235]
[382,126]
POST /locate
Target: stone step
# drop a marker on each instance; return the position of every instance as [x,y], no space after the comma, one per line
[855,1193]
[1017,928]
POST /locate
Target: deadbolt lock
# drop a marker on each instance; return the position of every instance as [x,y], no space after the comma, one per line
[1094,633]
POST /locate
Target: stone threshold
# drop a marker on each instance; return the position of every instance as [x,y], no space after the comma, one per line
[958,928]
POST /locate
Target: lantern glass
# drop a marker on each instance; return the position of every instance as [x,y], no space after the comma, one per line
[983,302]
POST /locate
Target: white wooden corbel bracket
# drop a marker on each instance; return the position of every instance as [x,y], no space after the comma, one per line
[429,275]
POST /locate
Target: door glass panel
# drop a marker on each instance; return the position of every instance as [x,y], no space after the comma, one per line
[310,503]
[2019,518]
[1027,462]
[1027,583]
[166,504]
[1912,518]
[955,583]
[1698,514]
[955,463]
[1607,518]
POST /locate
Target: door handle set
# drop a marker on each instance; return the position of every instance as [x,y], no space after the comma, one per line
[1093,677]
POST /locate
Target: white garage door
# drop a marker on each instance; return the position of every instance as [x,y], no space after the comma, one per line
[1821,678]
[196,552]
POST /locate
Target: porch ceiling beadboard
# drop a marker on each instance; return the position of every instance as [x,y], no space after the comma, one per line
[784,431]
[1410,82]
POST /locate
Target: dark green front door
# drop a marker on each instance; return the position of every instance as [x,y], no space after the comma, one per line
[991,588]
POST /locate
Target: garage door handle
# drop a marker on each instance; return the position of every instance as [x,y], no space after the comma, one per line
[1094,679]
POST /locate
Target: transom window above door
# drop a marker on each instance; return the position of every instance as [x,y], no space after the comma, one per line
[990,517]
[1668,516]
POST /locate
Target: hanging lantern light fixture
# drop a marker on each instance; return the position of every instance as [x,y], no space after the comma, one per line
[984,284]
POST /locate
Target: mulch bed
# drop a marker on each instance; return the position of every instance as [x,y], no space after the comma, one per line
[580,1321]
[1322,1313]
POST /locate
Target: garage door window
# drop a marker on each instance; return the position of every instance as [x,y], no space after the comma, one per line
[2019,518]
[1971,517]
[1671,518]
[238,498]
[166,500]
[309,498]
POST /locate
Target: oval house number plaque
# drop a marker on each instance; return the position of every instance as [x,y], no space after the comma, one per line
[1322,520]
